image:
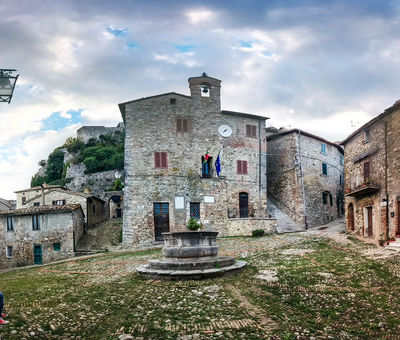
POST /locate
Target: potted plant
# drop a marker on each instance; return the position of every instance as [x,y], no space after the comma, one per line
[381,243]
[193,224]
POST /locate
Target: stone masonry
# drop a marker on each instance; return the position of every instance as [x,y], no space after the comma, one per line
[305,176]
[59,231]
[152,127]
[87,132]
[372,181]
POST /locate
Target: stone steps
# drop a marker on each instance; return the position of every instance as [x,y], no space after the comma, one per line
[285,223]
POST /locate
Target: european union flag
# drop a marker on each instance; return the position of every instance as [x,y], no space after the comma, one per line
[218,165]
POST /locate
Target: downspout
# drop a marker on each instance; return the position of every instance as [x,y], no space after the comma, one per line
[386,182]
[302,183]
[259,169]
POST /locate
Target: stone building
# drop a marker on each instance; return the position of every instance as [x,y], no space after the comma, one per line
[26,194]
[94,208]
[171,146]
[87,132]
[37,235]
[5,204]
[305,176]
[372,177]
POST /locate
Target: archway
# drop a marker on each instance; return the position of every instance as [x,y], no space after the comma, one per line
[115,206]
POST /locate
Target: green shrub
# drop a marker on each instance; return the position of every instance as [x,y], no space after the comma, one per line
[37,180]
[193,224]
[55,165]
[74,145]
[257,233]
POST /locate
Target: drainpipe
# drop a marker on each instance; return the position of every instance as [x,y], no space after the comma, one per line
[386,182]
[259,169]
[302,183]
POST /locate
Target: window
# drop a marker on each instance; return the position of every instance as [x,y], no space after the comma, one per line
[36,204]
[324,197]
[330,199]
[160,160]
[195,210]
[94,208]
[324,169]
[242,167]
[59,202]
[9,252]
[251,131]
[206,167]
[323,148]
[10,223]
[367,172]
[35,222]
[182,125]
[57,246]
[172,101]
[23,200]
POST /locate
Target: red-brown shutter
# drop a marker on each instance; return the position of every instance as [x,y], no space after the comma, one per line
[157,160]
[253,131]
[248,130]
[185,125]
[366,171]
[244,167]
[164,160]
[179,125]
[239,167]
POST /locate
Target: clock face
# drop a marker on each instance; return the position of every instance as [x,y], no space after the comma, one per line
[225,130]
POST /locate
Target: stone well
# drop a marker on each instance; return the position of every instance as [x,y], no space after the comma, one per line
[190,255]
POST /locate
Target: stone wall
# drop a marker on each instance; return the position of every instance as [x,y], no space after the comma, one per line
[55,227]
[87,132]
[296,180]
[245,226]
[382,191]
[151,127]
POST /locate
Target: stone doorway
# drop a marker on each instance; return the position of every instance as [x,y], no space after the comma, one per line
[161,220]
[368,221]
[243,205]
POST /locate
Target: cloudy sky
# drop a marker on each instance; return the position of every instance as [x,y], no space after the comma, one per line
[323,66]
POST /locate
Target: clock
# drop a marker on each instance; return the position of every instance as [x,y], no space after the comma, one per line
[225,130]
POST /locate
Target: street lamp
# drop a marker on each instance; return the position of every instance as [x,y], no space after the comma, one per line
[7,84]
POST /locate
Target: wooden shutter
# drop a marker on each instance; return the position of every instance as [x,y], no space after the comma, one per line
[244,167]
[178,125]
[253,131]
[157,157]
[185,125]
[366,171]
[164,163]
[248,130]
[239,167]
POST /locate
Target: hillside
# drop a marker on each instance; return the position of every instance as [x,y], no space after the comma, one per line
[95,165]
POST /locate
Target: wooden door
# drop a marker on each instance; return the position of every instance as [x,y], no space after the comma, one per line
[350,217]
[369,216]
[398,217]
[161,220]
[37,254]
[243,205]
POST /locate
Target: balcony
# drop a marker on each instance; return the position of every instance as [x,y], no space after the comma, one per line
[364,189]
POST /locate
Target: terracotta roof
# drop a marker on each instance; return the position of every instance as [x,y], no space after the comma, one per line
[305,133]
[66,191]
[389,110]
[41,210]
[243,114]
[40,188]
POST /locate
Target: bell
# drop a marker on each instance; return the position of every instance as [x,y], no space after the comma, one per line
[205,89]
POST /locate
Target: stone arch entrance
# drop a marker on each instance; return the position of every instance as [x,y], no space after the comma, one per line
[115,206]
[350,217]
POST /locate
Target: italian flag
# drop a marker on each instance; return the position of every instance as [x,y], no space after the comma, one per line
[206,157]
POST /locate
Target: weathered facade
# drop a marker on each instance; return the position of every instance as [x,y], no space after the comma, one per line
[87,132]
[5,204]
[372,177]
[305,176]
[169,176]
[95,209]
[26,194]
[39,235]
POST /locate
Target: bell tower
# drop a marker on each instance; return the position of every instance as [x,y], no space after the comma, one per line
[206,91]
